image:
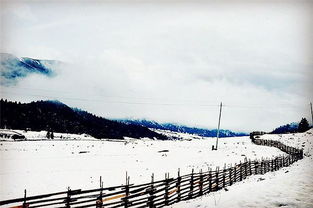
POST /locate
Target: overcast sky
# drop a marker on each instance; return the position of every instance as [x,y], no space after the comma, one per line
[169,62]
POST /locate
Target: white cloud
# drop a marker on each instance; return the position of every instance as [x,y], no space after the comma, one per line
[165,61]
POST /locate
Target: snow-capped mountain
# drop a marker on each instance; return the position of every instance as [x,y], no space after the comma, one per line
[14,68]
[182,128]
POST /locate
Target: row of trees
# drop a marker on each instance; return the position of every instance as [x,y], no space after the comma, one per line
[302,126]
[58,117]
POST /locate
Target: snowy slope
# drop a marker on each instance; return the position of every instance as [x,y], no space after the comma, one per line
[289,187]
[181,128]
[13,68]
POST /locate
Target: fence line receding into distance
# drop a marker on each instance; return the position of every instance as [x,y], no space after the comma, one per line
[164,192]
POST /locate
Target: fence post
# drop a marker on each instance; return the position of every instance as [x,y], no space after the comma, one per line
[68,198]
[191,185]
[235,173]
[240,171]
[151,197]
[290,159]
[269,165]
[178,185]
[216,178]
[230,173]
[274,164]
[99,201]
[261,167]
[246,167]
[224,175]
[166,189]
[210,180]
[201,184]
[256,166]
[25,205]
[278,162]
[250,171]
[126,191]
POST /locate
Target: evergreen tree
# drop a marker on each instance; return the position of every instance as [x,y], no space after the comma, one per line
[303,125]
[48,135]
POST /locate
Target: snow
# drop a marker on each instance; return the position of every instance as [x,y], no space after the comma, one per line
[41,135]
[289,187]
[43,166]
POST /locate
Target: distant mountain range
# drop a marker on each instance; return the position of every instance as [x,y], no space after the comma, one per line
[14,68]
[183,129]
[58,117]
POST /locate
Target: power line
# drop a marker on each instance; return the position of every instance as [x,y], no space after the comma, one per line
[108,96]
[193,103]
[111,102]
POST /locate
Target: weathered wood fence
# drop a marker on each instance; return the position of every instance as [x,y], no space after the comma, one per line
[164,192]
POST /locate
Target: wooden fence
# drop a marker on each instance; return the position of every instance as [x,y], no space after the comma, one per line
[164,192]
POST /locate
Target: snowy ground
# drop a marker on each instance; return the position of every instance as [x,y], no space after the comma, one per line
[41,135]
[43,166]
[289,187]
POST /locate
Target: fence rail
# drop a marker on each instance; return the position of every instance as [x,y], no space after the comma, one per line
[165,192]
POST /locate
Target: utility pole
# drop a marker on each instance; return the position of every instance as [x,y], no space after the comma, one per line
[311,112]
[218,127]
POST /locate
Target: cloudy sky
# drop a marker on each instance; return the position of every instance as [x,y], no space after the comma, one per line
[168,61]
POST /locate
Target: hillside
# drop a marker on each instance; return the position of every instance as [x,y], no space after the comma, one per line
[294,127]
[288,128]
[58,117]
[14,68]
[183,129]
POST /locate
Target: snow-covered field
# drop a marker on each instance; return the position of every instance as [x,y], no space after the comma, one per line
[42,135]
[290,187]
[44,166]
